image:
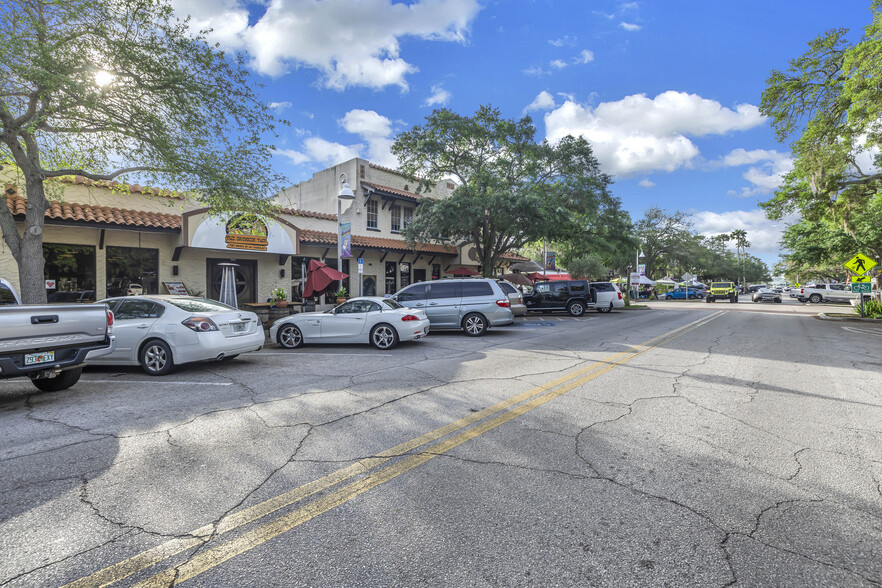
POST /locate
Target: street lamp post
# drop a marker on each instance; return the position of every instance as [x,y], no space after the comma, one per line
[345,194]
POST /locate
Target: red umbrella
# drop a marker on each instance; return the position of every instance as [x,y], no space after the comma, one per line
[319,277]
[536,276]
[463,271]
[519,279]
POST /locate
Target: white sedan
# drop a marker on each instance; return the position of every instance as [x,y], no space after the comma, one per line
[379,321]
[159,332]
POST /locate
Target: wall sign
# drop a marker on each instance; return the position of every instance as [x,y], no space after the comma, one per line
[176,288]
[243,232]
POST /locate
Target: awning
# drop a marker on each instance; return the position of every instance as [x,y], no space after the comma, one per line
[463,271]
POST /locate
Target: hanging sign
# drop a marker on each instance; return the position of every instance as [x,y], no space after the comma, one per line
[346,240]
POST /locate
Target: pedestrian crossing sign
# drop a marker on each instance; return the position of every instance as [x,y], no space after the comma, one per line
[860,279]
[860,264]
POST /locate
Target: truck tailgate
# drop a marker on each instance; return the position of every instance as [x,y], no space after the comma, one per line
[24,328]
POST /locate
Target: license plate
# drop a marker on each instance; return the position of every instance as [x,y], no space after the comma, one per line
[239,327]
[35,358]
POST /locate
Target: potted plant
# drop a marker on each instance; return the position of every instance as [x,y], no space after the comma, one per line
[342,295]
[280,298]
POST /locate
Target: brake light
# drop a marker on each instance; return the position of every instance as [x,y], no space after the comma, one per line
[109,318]
[620,296]
[410,317]
[802,290]
[200,324]
[503,303]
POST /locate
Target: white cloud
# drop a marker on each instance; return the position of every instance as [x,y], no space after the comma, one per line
[558,64]
[585,56]
[638,134]
[763,234]
[765,178]
[566,40]
[374,129]
[646,183]
[366,123]
[630,26]
[543,101]
[350,43]
[279,105]
[439,96]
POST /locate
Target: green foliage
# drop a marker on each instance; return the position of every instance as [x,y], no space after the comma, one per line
[829,100]
[510,190]
[872,309]
[279,294]
[590,267]
[124,90]
[341,293]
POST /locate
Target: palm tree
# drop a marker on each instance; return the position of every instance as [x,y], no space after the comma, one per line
[741,244]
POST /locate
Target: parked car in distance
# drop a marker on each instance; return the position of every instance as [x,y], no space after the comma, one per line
[827,293]
[50,343]
[382,322]
[683,294]
[82,296]
[573,296]
[608,296]
[515,298]
[161,332]
[471,304]
[766,295]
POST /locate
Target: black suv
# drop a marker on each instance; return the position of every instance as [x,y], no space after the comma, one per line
[573,296]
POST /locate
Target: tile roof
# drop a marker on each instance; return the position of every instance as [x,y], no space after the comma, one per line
[99,214]
[395,191]
[133,188]
[326,238]
[514,256]
[387,169]
[310,214]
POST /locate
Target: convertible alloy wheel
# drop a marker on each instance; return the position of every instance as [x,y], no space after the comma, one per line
[384,337]
[290,337]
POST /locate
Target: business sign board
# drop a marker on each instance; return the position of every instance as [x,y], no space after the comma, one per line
[242,231]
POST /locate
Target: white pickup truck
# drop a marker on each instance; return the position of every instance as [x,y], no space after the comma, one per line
[826,293]
[49,343]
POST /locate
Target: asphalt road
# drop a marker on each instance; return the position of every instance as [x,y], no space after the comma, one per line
[687,445]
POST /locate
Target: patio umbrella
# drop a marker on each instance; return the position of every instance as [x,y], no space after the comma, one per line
[319,278]
[536,276]
[463,271]
[526,266]
[519,279]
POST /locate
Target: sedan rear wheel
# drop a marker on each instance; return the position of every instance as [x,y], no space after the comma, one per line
[290,337]
[156,358]
[384,337]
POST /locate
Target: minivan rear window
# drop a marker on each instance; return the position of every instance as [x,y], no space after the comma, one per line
[603,286]
[476,289]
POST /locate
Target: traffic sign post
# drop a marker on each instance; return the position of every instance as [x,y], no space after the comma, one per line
[860,264]
[360,273]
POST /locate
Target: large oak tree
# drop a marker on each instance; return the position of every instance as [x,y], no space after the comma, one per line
[510,189]
[126,90]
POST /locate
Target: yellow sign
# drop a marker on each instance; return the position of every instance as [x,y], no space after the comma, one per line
[246,231]
[860,279]
[860,264]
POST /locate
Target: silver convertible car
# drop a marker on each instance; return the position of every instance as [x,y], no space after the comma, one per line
[379,321]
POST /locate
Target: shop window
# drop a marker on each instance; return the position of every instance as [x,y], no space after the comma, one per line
[373,217]
[72,267]
[391,268]
[396,219]
[404,271]
[132,270]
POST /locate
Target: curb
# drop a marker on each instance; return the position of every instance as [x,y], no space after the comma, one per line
[824,317]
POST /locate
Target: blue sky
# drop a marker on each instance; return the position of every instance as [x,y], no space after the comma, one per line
[666,91]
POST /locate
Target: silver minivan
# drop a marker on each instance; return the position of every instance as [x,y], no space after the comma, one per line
[471,304]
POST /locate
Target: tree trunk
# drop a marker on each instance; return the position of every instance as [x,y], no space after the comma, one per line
[30,255]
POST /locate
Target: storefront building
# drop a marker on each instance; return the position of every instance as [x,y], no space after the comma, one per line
[108,239]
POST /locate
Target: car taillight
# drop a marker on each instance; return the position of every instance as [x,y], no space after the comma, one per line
[200,324]
[802,290]
[109,318]
[410,317]
[503,303]
[620,296]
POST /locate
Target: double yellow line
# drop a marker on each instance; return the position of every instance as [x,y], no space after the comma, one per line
[496,415]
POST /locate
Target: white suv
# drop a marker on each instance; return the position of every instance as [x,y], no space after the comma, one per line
[608,296]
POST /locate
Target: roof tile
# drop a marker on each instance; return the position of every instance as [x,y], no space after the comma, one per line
[98,214]
[326,238]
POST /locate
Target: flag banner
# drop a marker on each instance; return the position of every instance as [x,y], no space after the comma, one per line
[346,240]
